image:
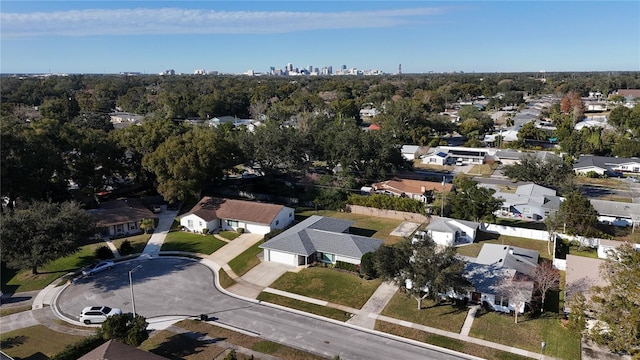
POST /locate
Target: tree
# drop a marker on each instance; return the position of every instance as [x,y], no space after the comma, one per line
[617,305]
[422,269]
[472,202]
[517,290]
[578,215]
[44,231]
[552,223]
[551,172]
[546,278]
[131,331]
[146,225]
[367,266]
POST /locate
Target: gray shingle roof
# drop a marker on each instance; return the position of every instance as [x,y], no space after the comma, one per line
[603,162]
[509,257]
[315,234]
[449,225]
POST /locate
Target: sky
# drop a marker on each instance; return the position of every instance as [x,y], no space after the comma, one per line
[236,36]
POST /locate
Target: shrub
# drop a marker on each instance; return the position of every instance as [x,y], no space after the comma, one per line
[272,234]
[367,267]
[240,230]
[346,266]
[592,174]
[131,331]
[126,248]
[103,252]
[205,231]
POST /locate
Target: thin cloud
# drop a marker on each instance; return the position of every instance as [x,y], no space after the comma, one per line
[141,21]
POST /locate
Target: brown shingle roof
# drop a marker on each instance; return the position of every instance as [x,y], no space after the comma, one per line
[114,350]
[629,92]
[120,212]
[411,186]
[209,208]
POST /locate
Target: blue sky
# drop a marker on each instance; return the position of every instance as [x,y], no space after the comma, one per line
[235,36]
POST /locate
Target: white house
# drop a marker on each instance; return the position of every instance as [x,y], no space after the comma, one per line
[606,165]
[444,155]
[318,239]
[409,151]
[450,232]
[499,265]
[211,214]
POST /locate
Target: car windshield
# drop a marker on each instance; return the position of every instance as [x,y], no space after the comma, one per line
[106,309]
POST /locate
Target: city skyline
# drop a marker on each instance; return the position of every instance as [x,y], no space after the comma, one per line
[235,37]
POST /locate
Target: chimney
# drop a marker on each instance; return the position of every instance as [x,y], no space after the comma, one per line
[423,189]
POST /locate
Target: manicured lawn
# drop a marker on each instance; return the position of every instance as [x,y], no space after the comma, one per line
[35,342]
[224,279]
[445,342]
[376,227]
[138,242]
[247,260]
[23,280]
[528,334]
[328,284]
[191,242]
[304,306]
[540,246]
[229,235]
[176,346]
[481,170]
[445,317]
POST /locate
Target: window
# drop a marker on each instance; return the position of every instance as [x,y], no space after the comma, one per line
[328,258]
[133,226]
[119,228]
[277,222]
[190,224]
[232,223]
[200,223]
[501,301]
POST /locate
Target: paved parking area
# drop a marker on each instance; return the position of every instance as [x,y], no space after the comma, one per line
[234,248]
[405,229]
[266,273]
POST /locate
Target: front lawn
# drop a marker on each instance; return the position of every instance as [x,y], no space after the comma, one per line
[305,306]
[23,280]
[328,284]
[229,235]
[35,342]
[445,342]
[528,334]
[445,317]
[138,242]
[244,262]
[191,242]
[483,170]
[363,225]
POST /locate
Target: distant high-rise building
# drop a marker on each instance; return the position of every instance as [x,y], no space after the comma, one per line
[310,69]
[400,69]
[272,70]
[289,67]
[330,70]
[344,67]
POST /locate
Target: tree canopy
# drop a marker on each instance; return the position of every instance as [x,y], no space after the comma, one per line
[42,232]
[578,215]
[552,171]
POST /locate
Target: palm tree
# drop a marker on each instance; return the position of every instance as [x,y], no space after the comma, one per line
[146,225]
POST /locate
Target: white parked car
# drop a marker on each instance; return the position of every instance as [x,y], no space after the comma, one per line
[97,314]
[98,267]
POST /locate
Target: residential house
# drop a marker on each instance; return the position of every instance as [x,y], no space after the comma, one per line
[499,265]
[604,165]
[450,232]
[115,350]
[530,201]
[424,191]
[607,248]
[410,152]
[120,217]
[318,239]
[447,155]
[617,213]
[211,214]
[511,157]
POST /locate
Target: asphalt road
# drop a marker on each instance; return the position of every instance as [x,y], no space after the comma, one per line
[170,286]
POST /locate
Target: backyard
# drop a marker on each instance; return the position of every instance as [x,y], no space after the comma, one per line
[482,238]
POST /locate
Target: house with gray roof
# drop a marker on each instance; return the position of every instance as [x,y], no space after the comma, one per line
[318,239]
[496,266]
[617,213]
[606,165]
[510,157]
[450,232]
[530,201]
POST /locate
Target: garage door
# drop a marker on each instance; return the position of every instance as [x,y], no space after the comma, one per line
[283,258]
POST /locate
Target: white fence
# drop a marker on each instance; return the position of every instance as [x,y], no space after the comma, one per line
[560,264]
[516,231]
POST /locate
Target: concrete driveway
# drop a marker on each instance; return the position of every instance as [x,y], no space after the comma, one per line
[235,248]
[266,273]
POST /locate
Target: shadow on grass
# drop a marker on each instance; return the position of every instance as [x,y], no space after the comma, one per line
[361,231]
[13,341]
[180,346]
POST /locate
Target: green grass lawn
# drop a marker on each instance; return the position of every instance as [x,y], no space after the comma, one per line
[304,306]
[35,342]
[247,260]
[23,280]
[138,242]
[483,170]
[191,242]
[540,246]
[528,334]
[229,235]
[376,227]
[445,342]
[328,284]
[445,317]
[224,279]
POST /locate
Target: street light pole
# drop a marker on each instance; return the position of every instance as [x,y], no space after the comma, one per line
[133,301]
